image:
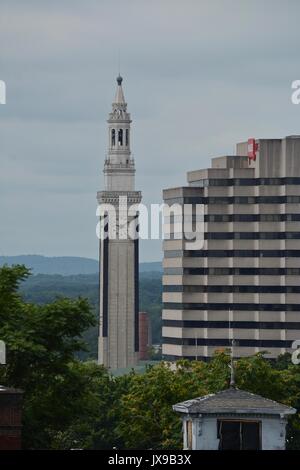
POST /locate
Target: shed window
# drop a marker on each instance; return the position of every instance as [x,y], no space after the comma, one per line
[239,435]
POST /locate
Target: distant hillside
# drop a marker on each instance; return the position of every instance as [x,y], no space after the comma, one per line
[65,265]
[154,266]
[44,288]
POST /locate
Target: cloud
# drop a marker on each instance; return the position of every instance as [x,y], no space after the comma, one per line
[198,77]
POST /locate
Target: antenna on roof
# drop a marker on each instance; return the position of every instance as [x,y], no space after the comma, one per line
[232,342]
[232,373]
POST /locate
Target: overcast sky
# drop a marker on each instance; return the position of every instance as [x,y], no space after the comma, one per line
[199,76]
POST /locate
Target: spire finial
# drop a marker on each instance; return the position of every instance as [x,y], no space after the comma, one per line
[119,98]
[119,80]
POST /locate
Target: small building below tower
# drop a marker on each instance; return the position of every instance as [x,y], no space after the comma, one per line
[10,418]
[145,340]
[233,419]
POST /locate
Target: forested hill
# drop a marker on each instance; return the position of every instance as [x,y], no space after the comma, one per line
[44,288]
[68,276]
[65,265]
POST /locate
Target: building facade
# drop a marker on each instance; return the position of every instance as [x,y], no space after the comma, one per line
[119,254]
[244,281]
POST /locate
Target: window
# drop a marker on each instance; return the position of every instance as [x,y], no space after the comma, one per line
[120,137]
[218,271]
[239,435]
[127,138]
[270,217]
[292,199]
[113,137]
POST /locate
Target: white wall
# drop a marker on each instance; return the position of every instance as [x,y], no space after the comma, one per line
[273,433]
[205,433]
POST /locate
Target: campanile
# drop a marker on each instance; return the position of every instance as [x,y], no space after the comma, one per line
[119,254]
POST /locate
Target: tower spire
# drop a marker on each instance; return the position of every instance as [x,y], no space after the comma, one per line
[119,165]
[119,99]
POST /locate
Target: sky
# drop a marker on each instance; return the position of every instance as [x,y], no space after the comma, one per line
[199,76]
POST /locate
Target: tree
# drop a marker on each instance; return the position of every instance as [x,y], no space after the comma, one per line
[92,414]
[71,404]
[41,342]
[146,416]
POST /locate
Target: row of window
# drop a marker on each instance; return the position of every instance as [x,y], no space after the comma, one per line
[203,183]
[234,218]
[234,200]
[233,289]
[232,253]
[254,325]
[255,343]
[234,271]
[117,137]
[241,236]
[232,306]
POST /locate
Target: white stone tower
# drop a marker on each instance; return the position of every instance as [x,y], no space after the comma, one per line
[119,255]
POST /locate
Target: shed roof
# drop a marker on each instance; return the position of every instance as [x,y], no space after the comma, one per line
[232,401]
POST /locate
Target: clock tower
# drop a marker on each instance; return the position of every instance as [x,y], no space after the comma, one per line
[119,255]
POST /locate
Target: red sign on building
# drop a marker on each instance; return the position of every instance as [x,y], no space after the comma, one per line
[252,149]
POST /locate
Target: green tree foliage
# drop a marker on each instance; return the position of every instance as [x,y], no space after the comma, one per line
[93,413]
[43,288]
[147,420]
[73,404]
[41,342]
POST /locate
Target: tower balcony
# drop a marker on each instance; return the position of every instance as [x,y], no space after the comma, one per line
[108,165]
[113,197]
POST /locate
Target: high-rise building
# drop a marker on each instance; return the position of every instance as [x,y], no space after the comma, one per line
[244,282]
[119,254]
